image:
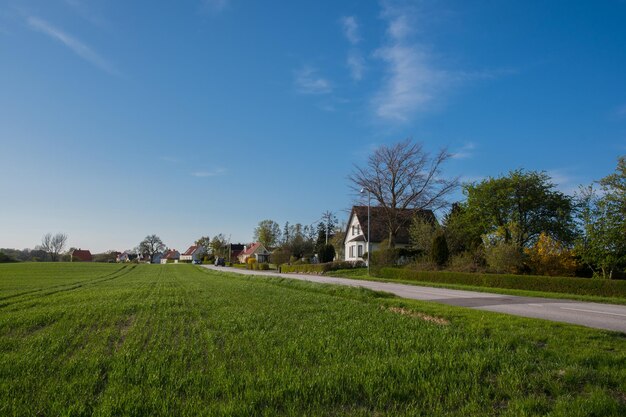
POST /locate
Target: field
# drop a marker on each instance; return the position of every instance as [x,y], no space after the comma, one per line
[149,340]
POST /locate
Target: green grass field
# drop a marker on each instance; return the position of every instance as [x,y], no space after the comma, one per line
[149,340]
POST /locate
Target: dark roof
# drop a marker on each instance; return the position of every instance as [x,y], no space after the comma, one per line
[81,255]
[172,254]
[237,246]
[379,230]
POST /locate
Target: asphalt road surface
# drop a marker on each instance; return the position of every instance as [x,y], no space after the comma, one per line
[596,315]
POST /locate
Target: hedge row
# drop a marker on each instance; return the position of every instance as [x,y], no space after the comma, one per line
[320,268]
[578,286]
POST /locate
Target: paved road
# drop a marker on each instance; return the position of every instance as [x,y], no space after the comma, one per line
[599,316]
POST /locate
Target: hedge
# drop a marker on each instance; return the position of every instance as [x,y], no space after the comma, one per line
[578,286]
[320,268]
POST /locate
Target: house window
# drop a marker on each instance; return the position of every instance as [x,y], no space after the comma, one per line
[358,229]
[353,230]
[352,251]
[360,251]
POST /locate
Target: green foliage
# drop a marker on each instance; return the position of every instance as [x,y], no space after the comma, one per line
[439,252]
[565,285]
[422,233]
[264,266]
[152,340]
[5,258]
[321,268]
[326,253]
[602,245]
[219,246]
[504,258]
[268,233]
[281,256]
[517,208]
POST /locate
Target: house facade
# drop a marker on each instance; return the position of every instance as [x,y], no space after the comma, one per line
[255,250]
[355,240]
[193,254]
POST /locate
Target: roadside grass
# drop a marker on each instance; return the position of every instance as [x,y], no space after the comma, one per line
[181,340]
[361,274]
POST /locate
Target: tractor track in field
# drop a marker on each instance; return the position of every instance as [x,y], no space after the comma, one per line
[39,293]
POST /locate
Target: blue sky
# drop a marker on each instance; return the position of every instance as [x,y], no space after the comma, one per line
[121,119]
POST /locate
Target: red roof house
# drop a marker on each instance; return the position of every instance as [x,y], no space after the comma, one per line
[79,255]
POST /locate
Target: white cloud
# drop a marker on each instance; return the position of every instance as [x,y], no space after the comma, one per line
[78,47]
[356,65]
[212,173]
[351,29]
[465,152]
[308,81]
[412,83]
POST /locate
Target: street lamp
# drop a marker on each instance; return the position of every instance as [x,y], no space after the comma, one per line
[369,206]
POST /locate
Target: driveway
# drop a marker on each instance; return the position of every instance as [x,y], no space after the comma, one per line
[596,315]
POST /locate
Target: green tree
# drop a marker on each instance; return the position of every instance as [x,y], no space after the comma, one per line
[517,208]
[422,233]
[268,233]
[205,243]
[602,244]
[326,253]
[151,245]
[219,246]
[439,252]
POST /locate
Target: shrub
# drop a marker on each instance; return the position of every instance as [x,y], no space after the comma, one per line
[321,268]
[465,262]
[251,262]
[264,266]
[326,253]
[6,258]
[504,258]
[550,257]
[565,285]
[439,252]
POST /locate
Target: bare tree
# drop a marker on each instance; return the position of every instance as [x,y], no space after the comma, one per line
[53,244]
[403,176]
[151,245]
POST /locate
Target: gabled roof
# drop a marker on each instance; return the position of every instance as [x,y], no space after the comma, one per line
[379,230]
[172,254]
[252,248]
[191,250]
[82,255]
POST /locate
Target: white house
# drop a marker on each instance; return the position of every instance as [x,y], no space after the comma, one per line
[355,239]
[193,254]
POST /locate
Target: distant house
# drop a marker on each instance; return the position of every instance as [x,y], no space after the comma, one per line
[355,240]
[126,257]
[156,258]
[79,255]
[171,256]
[193,254]
[255,250]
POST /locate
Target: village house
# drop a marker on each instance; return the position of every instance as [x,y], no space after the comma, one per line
[171,256]
[355,239]
[193,254]
[79,255]
[255,250]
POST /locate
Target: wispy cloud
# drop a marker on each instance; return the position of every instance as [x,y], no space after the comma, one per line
[210,173]
[413,82]
[308,81]
[356,65]
[215,5]
[78,47]
[351,29]
[465,152]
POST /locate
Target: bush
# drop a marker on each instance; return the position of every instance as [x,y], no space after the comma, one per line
[439,251]
[264,266]
[504,258]
[321,268]
[251,262]
[5,258]
[564,285]
[465,262]
[326,253]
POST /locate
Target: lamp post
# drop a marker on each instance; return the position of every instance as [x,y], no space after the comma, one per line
[369,205]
